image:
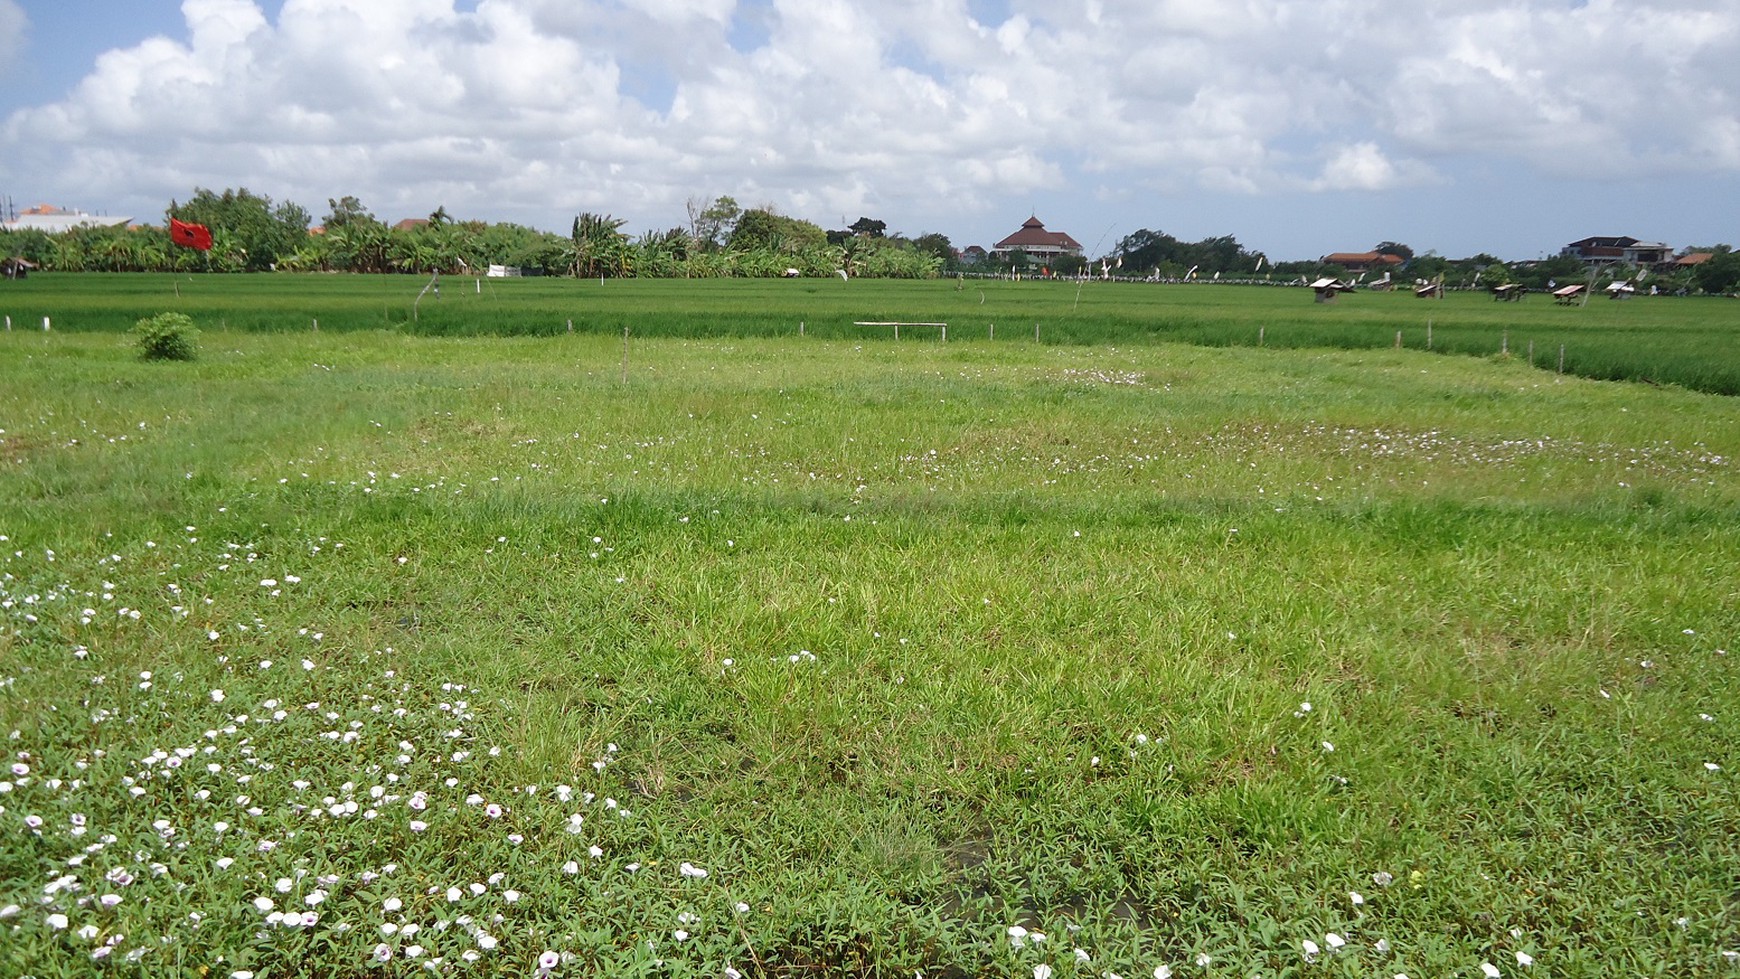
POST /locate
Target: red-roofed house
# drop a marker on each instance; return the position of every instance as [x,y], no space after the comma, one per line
[1038,243]
[1363,261]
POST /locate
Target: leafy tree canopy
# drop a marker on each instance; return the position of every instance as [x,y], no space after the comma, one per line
[345,212]
[765,228]
[1720,274]
[1496,274]
[935,244]
[712,224]
[1395,248]
[868,228]
[1145,250]
[253,230]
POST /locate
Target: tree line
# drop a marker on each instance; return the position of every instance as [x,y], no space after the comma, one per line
[252,233]
[1156,255]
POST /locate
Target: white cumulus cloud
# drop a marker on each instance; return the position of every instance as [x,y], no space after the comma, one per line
[532,110]
[12,27]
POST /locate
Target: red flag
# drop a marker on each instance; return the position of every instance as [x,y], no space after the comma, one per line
[190,235]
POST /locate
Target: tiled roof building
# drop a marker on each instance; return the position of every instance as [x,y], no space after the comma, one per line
[1604,250]
[1037,242]
[1363,261]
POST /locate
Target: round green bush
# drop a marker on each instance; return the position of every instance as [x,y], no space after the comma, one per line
[166,336]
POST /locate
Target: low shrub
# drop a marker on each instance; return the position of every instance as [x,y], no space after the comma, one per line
[166,336]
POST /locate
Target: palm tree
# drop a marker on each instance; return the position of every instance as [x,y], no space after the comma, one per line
[598,245]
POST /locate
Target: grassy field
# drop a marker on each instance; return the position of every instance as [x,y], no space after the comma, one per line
[1688,342]
[370,653]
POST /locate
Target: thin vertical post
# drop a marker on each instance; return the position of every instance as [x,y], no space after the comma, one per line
[1262,335]
[800,328]
[624,353]
[45,324]
[570,324]
[1504,344]
[1036,333]
[1428,334]
[993,331]
[1561,358]
[1398,339]
[317,324]
[945,329]
[1531,353]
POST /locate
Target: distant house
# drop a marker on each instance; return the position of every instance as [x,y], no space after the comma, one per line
[973,254]
[58,220]
[1623,250]
[1037,243]
[410,224]
[1363,261]
[1692,260]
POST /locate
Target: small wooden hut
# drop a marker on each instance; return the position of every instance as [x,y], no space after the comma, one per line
[1326,288]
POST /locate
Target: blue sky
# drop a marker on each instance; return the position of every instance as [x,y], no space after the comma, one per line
[1459,126]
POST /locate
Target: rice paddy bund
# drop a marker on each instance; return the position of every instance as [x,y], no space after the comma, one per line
[364,653]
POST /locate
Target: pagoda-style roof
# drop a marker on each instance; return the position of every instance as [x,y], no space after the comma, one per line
[1033,235]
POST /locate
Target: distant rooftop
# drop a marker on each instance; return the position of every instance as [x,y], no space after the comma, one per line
[1034,238]
[54,220]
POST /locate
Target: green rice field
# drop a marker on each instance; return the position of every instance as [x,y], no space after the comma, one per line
[466,646]
[1686,341]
